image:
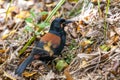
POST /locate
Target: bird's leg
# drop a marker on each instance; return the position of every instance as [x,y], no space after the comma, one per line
[37,56]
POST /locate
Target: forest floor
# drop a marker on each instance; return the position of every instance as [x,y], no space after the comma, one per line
[92,50]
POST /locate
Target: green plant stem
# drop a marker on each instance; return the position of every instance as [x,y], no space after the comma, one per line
[6,17]
[47,20]
[54,10]
[26,45]
[99,7]
[107,9]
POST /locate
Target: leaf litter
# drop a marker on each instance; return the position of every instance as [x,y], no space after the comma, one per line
[92,40]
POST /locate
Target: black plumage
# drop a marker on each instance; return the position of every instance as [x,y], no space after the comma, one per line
[56,38]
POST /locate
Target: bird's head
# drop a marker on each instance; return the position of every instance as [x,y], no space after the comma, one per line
[58,24]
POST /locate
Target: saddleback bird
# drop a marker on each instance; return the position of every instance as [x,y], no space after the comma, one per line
[50,44]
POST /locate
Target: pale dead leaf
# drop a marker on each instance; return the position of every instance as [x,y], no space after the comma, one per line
[96,1]
[5,36]
[25,4]
[112,33]
[48,1]
[12,32]
[68,6]
[87,56]
[49,76]
[117,30]
[11,9]
[52,4]
[83,64]
[6,31]
[2,1]
[2,11]
[9,76]
[8,34]
[93,33]
[23,15]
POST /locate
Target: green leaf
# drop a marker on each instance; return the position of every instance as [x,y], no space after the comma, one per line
[30,20]
[43,25]
[28,28]
[69,58]
[72,46]
[73,0]
[61,64]
[54,10]
[47,20]
[37,33]
[32,13]
[43,13]
[105,47]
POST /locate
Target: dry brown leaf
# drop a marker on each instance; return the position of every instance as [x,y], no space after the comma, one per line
[88,50]
[105,56]
[114,39]
[67,74]
[83,33]
[44,17]
[87,18]
[1,60]
[29,74]
[85,42]
[115,67]
[2,50]
[78,29]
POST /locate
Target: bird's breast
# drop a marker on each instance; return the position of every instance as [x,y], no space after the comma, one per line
[54,39]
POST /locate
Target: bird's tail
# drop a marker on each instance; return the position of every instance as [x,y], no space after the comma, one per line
[23,65]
